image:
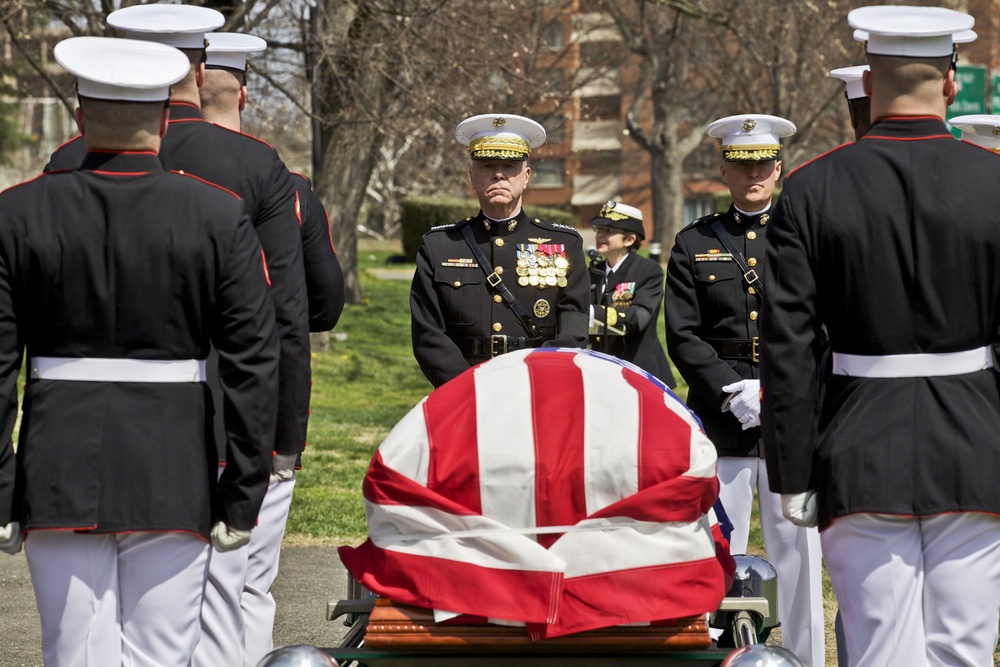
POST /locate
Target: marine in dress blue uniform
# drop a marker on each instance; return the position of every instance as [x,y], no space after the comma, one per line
[459,314]
[238,611]
[117,298]
[626,290]
[902,274]
[712,308]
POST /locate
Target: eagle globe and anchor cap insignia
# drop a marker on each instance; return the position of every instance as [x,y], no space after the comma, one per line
[541,308]
[749,124]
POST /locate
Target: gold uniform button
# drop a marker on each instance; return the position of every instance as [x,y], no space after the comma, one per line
[752,261]
[499,269]
[497,298]
[751,235]
[498,242]
[753,315]
[751,290]
[457,283]
[497,326]
[711,277]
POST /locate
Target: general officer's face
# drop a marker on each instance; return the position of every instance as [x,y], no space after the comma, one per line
[499,183]
[752,182]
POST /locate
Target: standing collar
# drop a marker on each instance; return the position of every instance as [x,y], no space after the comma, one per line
[122,162]
[184,111]
[907,127]
[502,227]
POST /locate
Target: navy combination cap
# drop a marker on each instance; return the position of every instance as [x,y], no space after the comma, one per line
[620,216]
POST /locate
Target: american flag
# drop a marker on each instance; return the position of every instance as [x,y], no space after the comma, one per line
[561,489]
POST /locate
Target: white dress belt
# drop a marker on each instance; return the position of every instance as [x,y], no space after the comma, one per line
[91,369]
[912,365]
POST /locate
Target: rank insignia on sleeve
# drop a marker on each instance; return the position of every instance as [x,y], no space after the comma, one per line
[713,255]
[461,263]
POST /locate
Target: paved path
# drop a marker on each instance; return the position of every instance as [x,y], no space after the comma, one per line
[309,577]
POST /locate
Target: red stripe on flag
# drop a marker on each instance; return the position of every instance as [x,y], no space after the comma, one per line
[450,415]
[385,486]
[437,583]
[664,449]
[557,409]
[636,595]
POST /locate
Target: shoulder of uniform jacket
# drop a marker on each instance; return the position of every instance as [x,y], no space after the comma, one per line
[450,225]
[555,226]
[705,219]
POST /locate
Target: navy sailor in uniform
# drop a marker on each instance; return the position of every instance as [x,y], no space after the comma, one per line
[712,302]
[118,298]
[627,291]
[898,466]
[500,281]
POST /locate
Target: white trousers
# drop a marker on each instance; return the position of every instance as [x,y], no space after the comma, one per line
[237,616]
[794,552]
[916,591]
[262,569]
[129,599]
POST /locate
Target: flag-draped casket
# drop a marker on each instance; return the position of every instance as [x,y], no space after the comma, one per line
[563,489]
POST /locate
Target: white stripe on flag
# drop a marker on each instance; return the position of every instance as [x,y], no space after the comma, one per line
[505,431]
[392,527]
[631,547]
[406,449]
[611,433]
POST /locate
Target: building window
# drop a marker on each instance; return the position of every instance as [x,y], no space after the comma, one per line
[697,208]
[549,173]
[553,35]
[607,107]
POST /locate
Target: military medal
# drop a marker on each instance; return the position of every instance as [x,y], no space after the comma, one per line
[523,281]
[622,296]
[541,308]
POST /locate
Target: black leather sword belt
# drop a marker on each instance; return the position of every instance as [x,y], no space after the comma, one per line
[739,349]
[477,346]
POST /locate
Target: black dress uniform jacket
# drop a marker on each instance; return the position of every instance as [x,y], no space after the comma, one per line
[455,311]
[121,259]
[907,263]
[711,315]
[324,277]
[253,170]
[635,288]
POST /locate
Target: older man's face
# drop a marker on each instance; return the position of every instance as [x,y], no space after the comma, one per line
[499,183]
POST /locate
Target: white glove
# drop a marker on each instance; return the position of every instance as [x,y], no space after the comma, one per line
[10,538]
[744,402]
[225,538]
[283,467]
[800,508]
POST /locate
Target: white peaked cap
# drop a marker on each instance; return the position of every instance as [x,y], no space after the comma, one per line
[499,136]
[921,32]
[182,26]
[980,129]
[122,69]
[231,49]
[750,136]
[851,76]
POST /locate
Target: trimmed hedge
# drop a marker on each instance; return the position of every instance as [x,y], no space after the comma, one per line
[419,214]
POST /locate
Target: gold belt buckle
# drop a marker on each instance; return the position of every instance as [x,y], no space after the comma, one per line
[493,344]
[750,276]
[755,349]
